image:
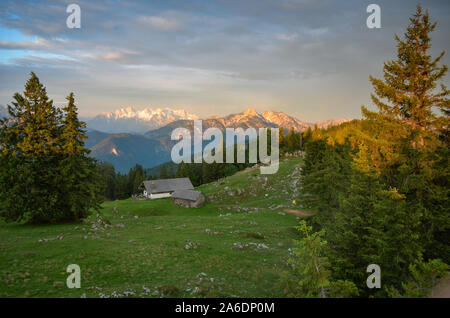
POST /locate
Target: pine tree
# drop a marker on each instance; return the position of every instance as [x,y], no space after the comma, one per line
[108,178]
[35,129]
[312,267]
[409,102]
[43,156]
[410,81]
[30,154]
[374,225]
[180,170]
[325,177]
[163,173]
[282,138]
[79,173]
[139,177]
[74,133]
[291,140]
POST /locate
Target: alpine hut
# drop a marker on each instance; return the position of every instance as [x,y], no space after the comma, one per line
[163,188]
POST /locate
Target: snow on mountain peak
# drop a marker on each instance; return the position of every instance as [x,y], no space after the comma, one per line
[149,113]
[131,120]
[250,112]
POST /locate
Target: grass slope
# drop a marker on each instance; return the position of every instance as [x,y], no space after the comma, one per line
[235,246]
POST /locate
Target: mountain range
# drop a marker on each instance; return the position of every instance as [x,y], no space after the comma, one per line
[153,147]
[125,150]
[126,137]
[130,120]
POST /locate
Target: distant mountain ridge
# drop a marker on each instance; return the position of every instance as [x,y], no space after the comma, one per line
[130,120]
[127,136]
[126,150]
[246,119]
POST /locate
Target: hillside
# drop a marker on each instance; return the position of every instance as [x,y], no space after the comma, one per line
[126,150]
[236,245]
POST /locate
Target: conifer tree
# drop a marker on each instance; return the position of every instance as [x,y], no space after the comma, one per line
[163,173]
[282,138]
[374,225]
[74,133]
[79,175]
[291,140]
[416,112]
[410,81]
[45,174]
[30,148]
[109,183]
[180,170]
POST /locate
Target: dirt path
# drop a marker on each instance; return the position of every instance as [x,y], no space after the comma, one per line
[299,213]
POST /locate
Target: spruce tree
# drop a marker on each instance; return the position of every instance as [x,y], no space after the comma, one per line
[291,140]
[282,138]
[163,173]
[30,155]
[180,170]
[409,99]
[80,183]
[45,174]
[408,92]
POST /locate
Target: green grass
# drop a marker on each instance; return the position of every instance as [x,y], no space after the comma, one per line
[143,250]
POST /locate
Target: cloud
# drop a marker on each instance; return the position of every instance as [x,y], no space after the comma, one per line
[124,57]
[287,36]
[297,4]
[160,23]
[25,45]
[209,56]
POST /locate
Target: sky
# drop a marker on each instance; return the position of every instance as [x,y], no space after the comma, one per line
[309,58]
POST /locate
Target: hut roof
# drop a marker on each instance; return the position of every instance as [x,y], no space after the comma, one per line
[190,195]
[167,185]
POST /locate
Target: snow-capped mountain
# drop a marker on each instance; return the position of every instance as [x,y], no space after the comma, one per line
[153,147]
[131,120]
[283,120]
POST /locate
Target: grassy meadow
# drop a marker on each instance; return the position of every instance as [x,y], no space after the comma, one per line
[237,245]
